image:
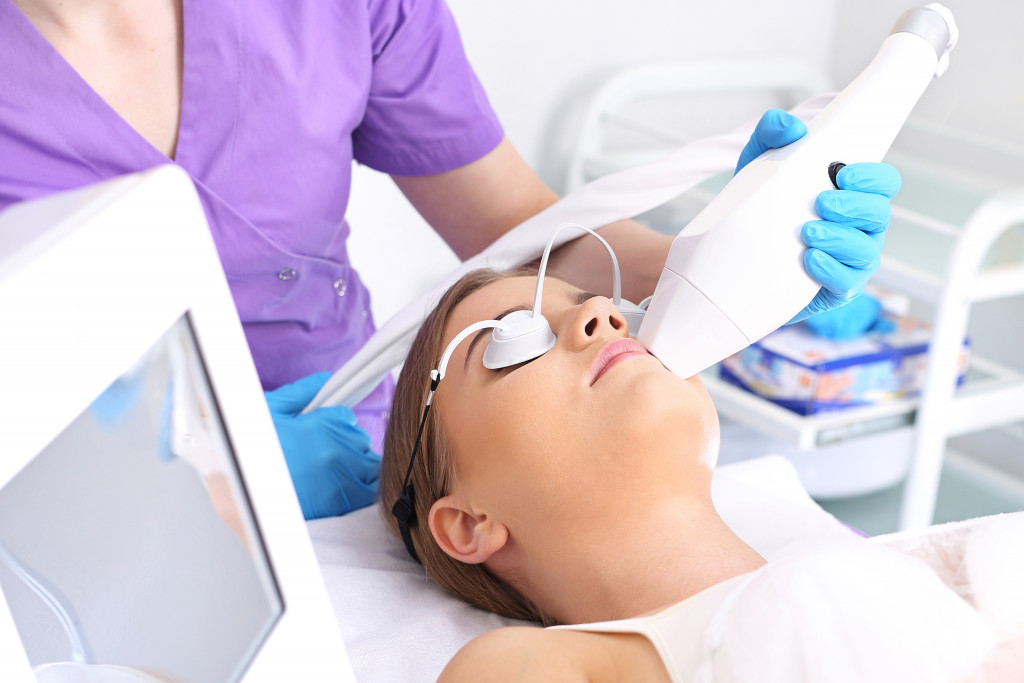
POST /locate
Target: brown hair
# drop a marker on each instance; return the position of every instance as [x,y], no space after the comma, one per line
[433,472]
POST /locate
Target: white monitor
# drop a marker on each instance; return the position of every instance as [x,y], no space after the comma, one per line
[148,529]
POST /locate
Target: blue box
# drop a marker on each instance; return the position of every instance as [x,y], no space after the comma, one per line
[807,374]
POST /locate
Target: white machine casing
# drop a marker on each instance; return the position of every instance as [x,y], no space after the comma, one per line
[89,280]
[736,272]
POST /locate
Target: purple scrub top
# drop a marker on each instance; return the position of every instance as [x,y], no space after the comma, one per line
[278,98]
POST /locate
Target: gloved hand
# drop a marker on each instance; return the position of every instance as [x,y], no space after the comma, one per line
[845,246]
[328,454]
[777,128]
[858,317]
[124,395]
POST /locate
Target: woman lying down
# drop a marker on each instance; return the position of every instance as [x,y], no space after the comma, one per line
[574,490]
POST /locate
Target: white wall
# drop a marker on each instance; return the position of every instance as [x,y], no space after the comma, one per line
[981,96]
[538,59]
[979,100]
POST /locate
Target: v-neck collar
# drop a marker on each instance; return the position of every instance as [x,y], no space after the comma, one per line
[86,126]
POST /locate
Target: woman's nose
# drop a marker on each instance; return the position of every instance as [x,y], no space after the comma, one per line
[595,319]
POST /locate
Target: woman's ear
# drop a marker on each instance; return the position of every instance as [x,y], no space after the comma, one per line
[464,535]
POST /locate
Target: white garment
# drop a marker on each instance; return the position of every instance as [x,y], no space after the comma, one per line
[857,611]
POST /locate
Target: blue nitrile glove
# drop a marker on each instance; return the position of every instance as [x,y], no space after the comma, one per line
[328,454]
[844,247]
[777,128]
[858,317]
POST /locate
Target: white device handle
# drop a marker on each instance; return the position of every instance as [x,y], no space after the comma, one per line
[736,272]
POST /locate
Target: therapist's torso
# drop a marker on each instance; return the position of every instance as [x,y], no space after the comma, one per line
[277,99]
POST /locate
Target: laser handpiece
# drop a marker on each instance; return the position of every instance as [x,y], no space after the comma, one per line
[704,307]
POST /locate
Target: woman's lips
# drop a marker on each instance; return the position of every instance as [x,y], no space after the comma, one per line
[614,353]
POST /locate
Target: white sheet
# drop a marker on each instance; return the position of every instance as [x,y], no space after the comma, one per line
[399,626]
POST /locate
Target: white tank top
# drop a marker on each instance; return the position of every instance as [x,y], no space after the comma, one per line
[675,631]
[857,612]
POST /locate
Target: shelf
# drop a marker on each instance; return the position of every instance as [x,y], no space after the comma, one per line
[995,398]
[805,432]
[993,282]
[991,395]
[997,282]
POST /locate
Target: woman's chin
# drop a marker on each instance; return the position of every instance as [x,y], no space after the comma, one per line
[665,409]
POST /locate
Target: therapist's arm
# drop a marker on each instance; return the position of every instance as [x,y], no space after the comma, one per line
[472,206]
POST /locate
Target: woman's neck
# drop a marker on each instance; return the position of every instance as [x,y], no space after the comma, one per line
[639,565]
[65,13]
[130,52]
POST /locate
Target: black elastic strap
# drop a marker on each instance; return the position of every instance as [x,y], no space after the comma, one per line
[404,512]
[404,508]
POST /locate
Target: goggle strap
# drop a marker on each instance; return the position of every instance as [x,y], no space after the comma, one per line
[404,508]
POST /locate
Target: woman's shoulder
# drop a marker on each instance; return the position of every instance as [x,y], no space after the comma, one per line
[525,653]
[514,653]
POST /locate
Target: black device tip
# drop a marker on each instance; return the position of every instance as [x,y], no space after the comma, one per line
[833,170]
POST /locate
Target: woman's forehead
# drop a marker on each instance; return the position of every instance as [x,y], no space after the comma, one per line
[491,299]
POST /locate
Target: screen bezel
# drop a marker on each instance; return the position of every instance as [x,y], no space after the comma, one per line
[133,256]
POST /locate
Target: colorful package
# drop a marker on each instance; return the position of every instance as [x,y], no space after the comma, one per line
[808,374]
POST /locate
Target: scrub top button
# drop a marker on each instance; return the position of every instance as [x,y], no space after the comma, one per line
[366,314]
[340,286]
[286,274]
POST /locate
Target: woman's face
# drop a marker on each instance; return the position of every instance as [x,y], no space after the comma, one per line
[596,423]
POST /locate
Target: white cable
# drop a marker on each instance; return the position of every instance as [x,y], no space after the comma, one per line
[616,280]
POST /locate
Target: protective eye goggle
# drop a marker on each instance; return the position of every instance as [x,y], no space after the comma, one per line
[518,337]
